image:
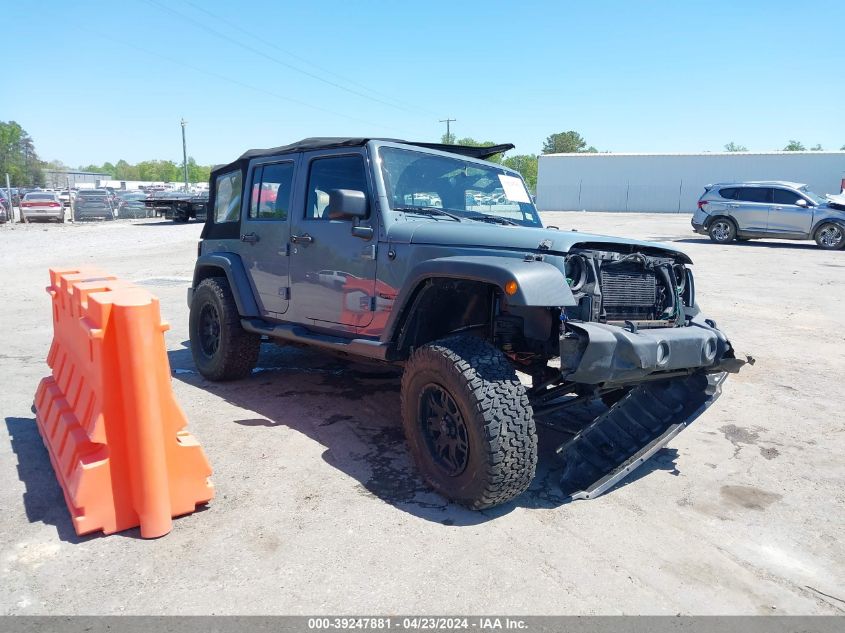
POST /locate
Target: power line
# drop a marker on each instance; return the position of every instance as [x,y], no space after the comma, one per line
[230,80]
[401,104]
[258,51]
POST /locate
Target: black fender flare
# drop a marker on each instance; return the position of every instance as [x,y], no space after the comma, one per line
[233,268]
[539,284]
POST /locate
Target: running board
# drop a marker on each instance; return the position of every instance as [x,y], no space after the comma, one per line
[620,440]
[368,348]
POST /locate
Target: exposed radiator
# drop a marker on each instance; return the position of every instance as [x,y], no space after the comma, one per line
[628,291]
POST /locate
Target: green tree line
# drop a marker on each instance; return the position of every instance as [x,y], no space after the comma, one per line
[18,157]
[155,170]
[791,146]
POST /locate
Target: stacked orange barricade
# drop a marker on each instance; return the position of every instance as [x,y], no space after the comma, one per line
[108,416]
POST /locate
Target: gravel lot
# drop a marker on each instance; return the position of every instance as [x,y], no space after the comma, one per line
[318,509]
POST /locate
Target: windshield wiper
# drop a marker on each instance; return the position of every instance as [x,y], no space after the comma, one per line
[428,211]
[494,219]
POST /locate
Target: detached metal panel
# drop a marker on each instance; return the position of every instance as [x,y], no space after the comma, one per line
[671,183]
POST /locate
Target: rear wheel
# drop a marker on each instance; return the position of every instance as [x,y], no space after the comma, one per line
[221,348]
[469,425]
[830,236]
[722,230]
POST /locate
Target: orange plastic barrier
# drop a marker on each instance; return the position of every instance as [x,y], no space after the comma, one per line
[108,415]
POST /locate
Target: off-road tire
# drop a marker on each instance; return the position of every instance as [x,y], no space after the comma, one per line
[722,230]
[501,435]
[236,351]
[826,233]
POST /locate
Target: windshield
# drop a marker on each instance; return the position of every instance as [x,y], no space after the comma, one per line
[464,188]
[813,196]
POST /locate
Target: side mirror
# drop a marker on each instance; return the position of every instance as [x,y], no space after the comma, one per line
[347,203]
[801,203]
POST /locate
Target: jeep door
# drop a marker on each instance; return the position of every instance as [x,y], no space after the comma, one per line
[787,218]
[750,208]
[265,233]
[333,268]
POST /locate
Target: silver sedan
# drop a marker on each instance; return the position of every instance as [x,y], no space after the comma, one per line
[42,205]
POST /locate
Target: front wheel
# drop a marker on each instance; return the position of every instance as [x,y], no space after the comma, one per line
[221,348]
[469,425]
[721,231]
[830,236]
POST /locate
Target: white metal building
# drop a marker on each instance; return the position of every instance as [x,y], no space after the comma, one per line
[671,183]
[60,178]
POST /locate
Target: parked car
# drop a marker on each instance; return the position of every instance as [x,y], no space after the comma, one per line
[42,205]
[23,191]
[775,209]
[93,203]
[5,207]
[67,196]
[130,204]
[460,300]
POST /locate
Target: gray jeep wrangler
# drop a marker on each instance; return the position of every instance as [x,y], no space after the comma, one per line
[428,257]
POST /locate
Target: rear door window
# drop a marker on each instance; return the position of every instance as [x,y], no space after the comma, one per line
[271,191]
[728,192]
[754,194]
[785,196]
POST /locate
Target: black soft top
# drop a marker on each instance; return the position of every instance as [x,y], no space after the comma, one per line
[230,229]
[329,142]
[326,142]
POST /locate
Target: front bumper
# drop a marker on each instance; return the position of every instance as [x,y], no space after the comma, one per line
[597,353]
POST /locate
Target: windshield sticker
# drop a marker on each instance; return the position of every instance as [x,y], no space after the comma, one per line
[514,189]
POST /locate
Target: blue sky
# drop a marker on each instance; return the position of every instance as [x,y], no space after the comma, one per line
[96,81]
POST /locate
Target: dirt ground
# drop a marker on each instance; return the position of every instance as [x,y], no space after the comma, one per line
[318,509]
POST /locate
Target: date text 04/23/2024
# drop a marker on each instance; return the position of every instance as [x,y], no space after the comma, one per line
[416,623]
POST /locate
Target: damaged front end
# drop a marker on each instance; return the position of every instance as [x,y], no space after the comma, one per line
[636,340]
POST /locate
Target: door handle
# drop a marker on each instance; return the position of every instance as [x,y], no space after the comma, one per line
[251,238]
[734,206]
[301,239]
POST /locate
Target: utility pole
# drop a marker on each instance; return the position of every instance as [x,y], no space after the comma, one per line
[69,199]
[185,154]
[11,218]
[448,129]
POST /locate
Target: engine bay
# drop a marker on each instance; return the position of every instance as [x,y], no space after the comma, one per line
[619,288]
